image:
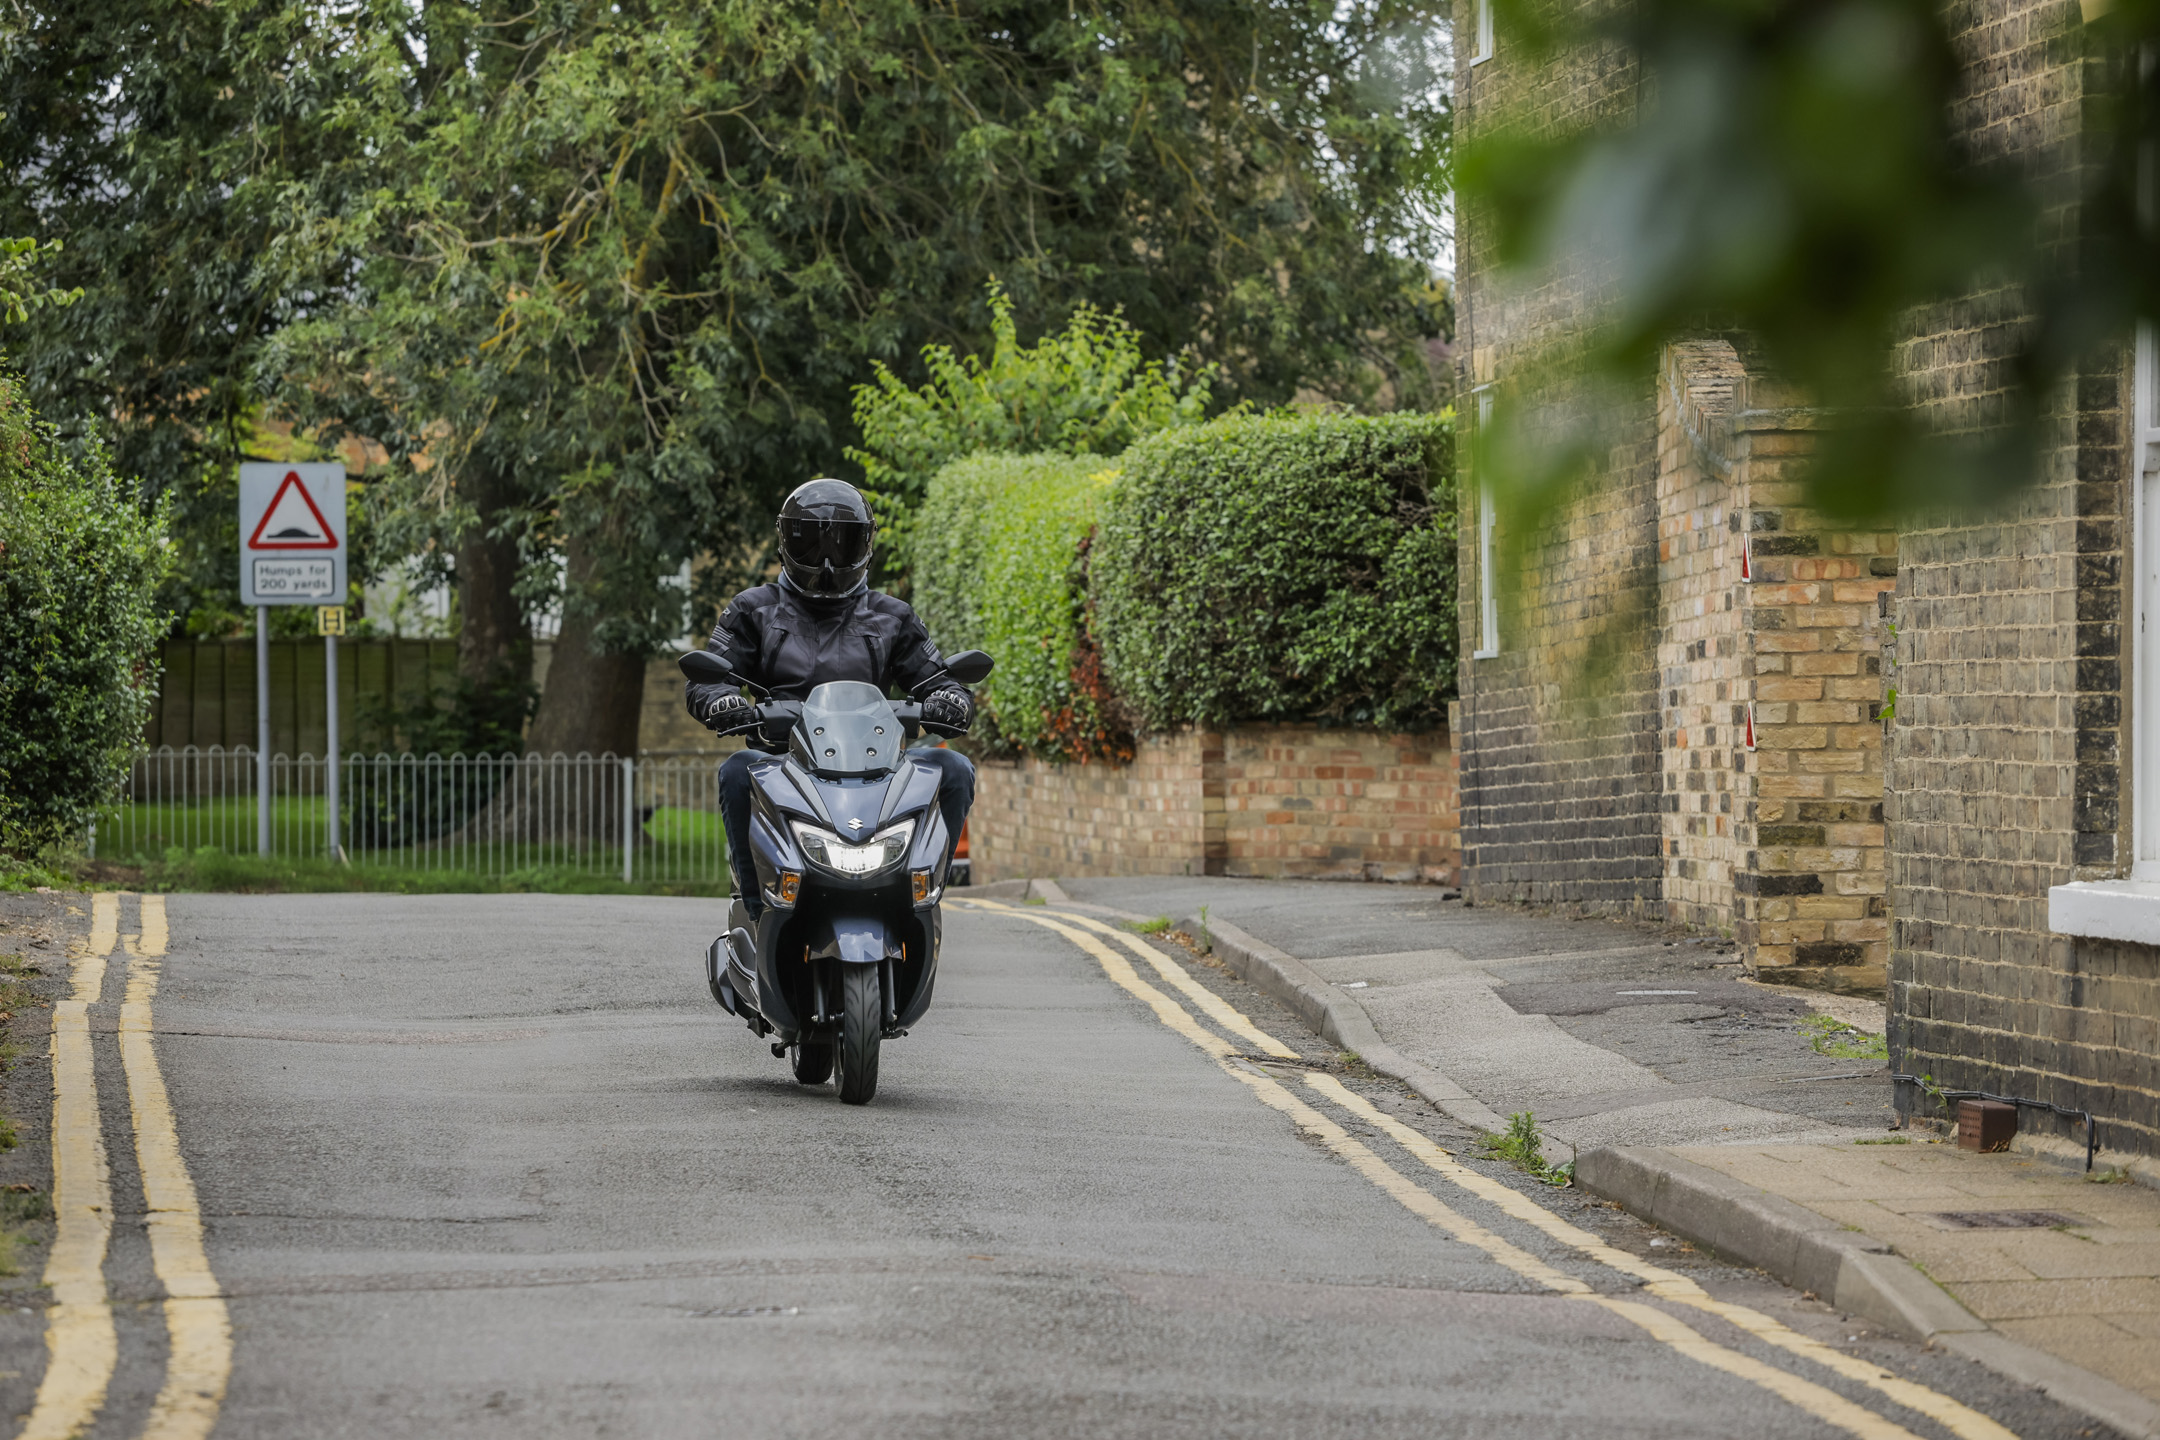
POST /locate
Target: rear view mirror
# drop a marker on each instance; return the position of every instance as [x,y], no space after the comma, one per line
[969,667]
[706,668]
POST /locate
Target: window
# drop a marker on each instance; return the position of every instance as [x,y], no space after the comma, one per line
[2145,634]
[1488,607]
[1483,52]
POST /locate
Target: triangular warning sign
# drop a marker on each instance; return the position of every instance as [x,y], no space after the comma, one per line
[292,522]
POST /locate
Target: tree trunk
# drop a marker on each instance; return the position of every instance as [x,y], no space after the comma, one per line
[591,701]
[494,641]
[589,706]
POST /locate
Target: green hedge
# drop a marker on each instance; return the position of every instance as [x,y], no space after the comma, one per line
[999,564]
[79,568]
[1282,569]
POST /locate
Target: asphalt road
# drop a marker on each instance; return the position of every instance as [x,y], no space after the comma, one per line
[498,1166]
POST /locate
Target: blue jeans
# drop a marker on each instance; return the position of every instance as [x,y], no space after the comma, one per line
[956,796]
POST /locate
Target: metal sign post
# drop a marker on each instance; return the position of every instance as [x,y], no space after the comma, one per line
[292,552]
[330,619]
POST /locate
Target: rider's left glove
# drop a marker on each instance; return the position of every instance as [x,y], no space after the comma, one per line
[949,709]
[729,712]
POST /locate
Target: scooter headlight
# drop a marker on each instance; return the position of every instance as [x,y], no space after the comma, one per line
[828,852]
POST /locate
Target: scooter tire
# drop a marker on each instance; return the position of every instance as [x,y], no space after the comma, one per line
[862,1030]
[813,1062]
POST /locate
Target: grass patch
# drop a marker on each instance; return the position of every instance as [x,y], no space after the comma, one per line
[1522,1145]
[1884,1140]
[2108,1177]
[1843,1042]
[218,870]
[1158,926]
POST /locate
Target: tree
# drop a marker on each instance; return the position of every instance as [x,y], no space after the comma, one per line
[80,565]
[627,261]
[152,138]
[1085,390]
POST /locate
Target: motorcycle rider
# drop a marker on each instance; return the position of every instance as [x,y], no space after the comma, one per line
[822,622]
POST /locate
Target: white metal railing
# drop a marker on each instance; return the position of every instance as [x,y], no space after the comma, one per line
[652,818]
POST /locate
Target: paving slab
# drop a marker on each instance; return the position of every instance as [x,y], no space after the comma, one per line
[2086,1291]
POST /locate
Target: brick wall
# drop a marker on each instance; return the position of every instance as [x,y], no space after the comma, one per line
[1563,783]
[2008,761]
[1811,897]
[1700,639]
[1286,800]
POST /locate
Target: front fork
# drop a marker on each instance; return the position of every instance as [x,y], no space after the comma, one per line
[823,1017]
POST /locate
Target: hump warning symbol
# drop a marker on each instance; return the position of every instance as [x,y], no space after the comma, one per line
[292,522]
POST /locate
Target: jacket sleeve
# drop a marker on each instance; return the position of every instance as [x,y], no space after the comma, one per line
[915,657]
[735,640]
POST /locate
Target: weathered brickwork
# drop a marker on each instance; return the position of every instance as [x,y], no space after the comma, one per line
[1287,800]
[1562,781]
[1700,639]
[1767,627]
[2009,758]
[1933,836]
[1811,893]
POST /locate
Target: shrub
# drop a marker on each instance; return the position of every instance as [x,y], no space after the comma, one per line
[80,564]
[1282,569]
[1000,564]
[1083,391]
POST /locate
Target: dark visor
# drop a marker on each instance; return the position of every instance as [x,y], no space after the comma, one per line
[810,543]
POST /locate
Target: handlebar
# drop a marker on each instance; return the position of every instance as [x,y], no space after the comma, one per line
[772,719]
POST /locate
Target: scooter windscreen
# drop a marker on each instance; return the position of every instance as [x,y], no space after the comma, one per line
[850,729]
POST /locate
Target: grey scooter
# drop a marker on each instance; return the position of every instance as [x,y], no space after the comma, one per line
[851,855]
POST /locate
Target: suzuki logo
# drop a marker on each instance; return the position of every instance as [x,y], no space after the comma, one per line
[854,824]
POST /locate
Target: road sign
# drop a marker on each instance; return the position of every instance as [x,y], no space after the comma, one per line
[330,620]
[292,534]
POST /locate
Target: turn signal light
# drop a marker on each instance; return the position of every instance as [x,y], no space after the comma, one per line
[920,881]
[790,886]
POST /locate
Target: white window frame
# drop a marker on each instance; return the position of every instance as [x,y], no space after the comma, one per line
[2144,687]
[1484,50]
[2130,909]
[1488,604]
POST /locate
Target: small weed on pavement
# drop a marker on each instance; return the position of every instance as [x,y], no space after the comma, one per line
[1157,926]
[1522,1145]
[1843,1042]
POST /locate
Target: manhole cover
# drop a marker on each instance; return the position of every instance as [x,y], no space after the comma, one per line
[2004,1219]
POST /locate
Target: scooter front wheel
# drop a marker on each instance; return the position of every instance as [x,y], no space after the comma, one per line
[862,1030]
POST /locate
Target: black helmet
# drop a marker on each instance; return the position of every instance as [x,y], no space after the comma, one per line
[825,535]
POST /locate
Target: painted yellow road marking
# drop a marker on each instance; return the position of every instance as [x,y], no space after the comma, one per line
[79,1336]
[1822,1403]
[1960,1420]
[1211,1005]
[200,1362]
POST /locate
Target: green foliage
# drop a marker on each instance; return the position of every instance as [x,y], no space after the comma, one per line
[79,569]
[1802,172]
[1160,925]
[212,869]
[1844,1042]
[1522,1145]
[1083,390]
[20,292]
[1001,566]
[156,141]
[1282,569]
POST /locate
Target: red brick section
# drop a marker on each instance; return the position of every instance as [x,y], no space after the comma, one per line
[1293,800]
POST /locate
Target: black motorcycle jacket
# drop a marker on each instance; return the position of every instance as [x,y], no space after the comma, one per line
[787,643]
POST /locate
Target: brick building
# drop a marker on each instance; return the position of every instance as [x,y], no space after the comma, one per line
[1673,705]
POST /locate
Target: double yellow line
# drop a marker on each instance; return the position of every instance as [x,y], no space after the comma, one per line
[1817,1400]
[79,1333]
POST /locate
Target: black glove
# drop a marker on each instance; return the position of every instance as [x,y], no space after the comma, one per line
[949,710]
[729,713]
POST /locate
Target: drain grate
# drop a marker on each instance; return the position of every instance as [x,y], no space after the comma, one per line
[2004,1219]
